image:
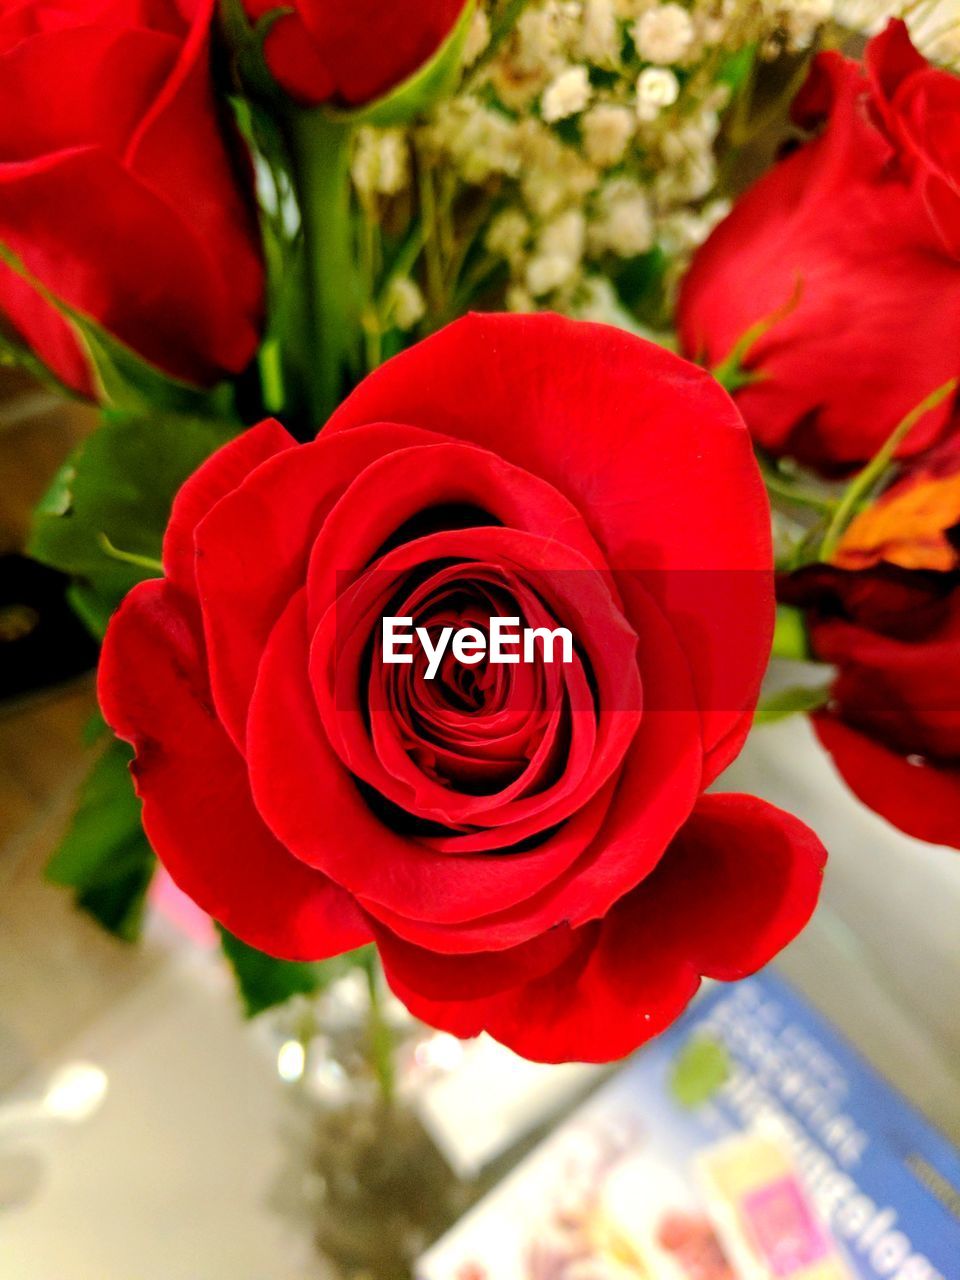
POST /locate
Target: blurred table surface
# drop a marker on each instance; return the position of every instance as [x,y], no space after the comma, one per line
[171,1179]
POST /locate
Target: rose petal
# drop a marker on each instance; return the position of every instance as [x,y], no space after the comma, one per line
[315,808]
[222,472]
[920,798]
[253,550]
[738,883]
[197,810]
[631,435]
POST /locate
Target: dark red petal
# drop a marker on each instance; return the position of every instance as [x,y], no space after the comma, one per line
[153,289]
[653,796]
[254,549]
[295,61]
[738,883]
[314,807]
[577,595]
[182,144]
[197,810]
[408,482]
[368,47]
[43,110]
[834,231]
[922,799]
[890,59]
[648,449]
[222,472]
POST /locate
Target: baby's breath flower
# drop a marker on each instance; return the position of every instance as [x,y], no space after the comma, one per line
[518,299]
[566,95]
[606,130]
[657,87]
[507,234]
[683,230]
[664,35]
[405,303]
[802,18]
[380,164]
[691,180]
[558,254]
[479,140]
[548,271]
[600,38]
[552,175]
[478,37]
[564,235]
[695,136]
[624,225]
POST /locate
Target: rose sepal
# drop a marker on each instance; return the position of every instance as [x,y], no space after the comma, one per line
[124,380]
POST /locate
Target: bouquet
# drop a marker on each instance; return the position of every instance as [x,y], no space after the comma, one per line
[487,389]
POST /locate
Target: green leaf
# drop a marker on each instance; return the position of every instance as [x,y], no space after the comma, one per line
[700,1069]
[263,981]
[124,379]
[730,372]
[102,519]
[790,638]
[14,354]
[798,700]
[865,484]
[104,857]
[735,69]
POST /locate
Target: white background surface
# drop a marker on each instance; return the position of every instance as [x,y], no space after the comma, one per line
[171,1179]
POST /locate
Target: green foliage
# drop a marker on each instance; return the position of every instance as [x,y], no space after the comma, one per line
[104,858]
[701,1068]
[102,519]
[263,982]
[800,699]
[736,68]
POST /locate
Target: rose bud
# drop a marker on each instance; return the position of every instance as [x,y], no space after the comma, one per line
[890,623]
[120,194]
[850,248]
[349,52]
[530,845]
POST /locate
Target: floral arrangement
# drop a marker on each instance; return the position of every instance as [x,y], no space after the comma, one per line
[704,410]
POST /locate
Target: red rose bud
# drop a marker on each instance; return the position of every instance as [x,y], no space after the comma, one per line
[528,843]
[892,725]
[118,191]
[859,229]
[350,52]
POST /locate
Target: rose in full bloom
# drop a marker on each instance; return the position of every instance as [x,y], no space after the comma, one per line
[854,239]
[119,192]
[529,845]
[887,614]
[349,52]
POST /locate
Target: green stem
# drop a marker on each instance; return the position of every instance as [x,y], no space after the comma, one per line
[730,372]
[320,148]
[800,700]
[790,635]
[150,563]
[797,495]
[379,1035]
[865,481]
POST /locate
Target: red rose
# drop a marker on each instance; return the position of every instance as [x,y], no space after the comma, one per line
[893,722]
[529,845]
[865,222]
[351,51]
[117,189]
